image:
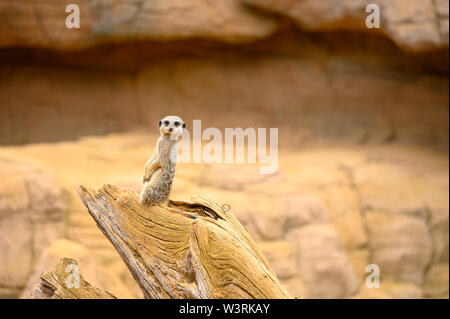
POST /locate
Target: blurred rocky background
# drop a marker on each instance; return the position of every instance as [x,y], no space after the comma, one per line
[363,132]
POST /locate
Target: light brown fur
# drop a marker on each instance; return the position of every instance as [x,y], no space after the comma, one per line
[160,168]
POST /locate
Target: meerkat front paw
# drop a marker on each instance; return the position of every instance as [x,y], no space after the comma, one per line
[147,175]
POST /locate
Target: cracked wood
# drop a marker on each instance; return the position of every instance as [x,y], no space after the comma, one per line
[189,249]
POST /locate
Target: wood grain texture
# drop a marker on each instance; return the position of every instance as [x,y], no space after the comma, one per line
[53,285]
[188,249]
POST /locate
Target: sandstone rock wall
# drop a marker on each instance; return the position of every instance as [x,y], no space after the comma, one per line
[414,25]
[311,68]
[340,87]
[32,212]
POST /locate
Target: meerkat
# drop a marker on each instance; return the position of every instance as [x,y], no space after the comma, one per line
[160,168]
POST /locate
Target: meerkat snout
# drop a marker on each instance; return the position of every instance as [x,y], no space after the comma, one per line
[171,126]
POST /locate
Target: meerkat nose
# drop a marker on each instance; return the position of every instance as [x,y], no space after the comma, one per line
[170,129]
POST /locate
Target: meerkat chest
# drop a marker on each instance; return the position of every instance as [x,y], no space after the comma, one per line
[168,155]
[173,154]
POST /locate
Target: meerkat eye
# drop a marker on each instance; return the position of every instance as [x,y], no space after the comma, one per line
[166,123]
[160,123]
[176,123]
[184,125]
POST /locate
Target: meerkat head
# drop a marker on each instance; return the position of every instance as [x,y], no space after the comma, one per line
[172,126]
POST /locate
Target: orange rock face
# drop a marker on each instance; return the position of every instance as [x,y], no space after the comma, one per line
[32,209]
[346,86]
[418,25]
[42,24]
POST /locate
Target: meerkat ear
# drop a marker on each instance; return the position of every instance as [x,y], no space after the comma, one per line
[184,125]
[160,123]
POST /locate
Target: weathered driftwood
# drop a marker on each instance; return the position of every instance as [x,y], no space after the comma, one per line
[62,283]
[191,249]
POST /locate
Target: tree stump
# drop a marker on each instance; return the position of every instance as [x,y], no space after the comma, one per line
[57,284]
[187,249]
